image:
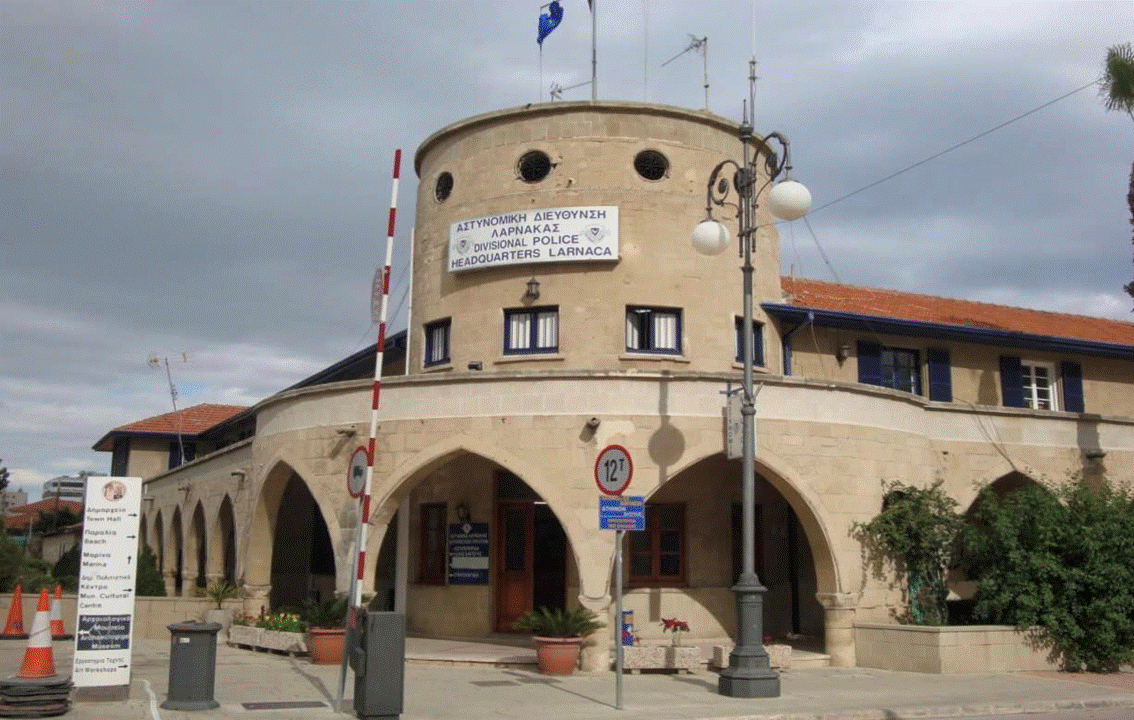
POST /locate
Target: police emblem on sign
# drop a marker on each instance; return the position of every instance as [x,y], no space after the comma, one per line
[463,245]
[594,233]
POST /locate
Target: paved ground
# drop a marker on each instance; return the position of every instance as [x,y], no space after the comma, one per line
[438,692]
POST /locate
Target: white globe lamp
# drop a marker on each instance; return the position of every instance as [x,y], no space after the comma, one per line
[710,237]
[789,200]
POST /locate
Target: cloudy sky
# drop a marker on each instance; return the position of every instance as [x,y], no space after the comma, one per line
[213,178]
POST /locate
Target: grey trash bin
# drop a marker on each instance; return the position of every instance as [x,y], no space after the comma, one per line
[192,666]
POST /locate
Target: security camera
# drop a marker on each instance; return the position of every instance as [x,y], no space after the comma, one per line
[593,423]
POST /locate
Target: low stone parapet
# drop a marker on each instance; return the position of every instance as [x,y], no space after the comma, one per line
[636,658]
[779,656]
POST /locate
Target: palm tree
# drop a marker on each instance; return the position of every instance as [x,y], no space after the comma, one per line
[1117,90]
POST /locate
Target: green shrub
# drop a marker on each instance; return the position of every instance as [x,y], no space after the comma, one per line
[66,568]
[328,613]
[283,621]
[558,623]
[148,582]
[1062,563]
[915,531]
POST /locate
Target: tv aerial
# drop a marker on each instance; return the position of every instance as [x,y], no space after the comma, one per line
[700,45]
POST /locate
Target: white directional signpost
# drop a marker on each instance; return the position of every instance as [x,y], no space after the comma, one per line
[101,665]
[613,471]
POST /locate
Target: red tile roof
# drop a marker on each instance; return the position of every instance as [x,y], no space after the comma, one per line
[21,516]
[193,421]
[819,295]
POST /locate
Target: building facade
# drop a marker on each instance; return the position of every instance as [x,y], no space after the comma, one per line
[558,309]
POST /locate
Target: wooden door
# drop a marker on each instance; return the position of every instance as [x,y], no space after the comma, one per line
[514,553]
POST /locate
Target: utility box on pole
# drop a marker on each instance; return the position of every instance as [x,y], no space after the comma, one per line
[379,660]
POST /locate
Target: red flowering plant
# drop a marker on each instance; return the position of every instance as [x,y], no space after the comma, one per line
[676,626]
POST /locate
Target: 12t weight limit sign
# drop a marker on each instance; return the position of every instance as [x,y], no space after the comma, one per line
[613,470]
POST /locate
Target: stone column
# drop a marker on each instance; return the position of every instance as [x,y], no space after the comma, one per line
[838,624]
[256,597]
[596,648]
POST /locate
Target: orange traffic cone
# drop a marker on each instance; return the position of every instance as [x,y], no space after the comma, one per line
[38,660]
[57,631]
[14,628]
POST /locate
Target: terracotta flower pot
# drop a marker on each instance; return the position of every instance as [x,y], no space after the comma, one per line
[325,645]
[557,656]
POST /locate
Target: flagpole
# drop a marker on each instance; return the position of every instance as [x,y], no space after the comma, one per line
[594,54]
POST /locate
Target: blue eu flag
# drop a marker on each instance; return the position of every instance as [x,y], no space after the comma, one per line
[550,20]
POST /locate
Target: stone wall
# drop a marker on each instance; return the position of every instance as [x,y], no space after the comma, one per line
[949,649]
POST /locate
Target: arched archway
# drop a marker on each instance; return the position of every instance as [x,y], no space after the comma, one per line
[696,528]
[176,537]
[222,546]
[290,555]
[198,547]
[511,549]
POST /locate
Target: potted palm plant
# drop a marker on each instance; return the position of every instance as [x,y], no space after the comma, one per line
[218,592]
[326,628]
[558,636]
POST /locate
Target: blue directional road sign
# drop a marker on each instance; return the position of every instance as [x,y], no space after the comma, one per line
[622,513]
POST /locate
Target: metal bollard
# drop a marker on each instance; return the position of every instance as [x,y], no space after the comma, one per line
[192,666]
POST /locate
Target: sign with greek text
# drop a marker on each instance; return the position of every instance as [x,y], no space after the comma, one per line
[570,234]
[106,582]
[468,553]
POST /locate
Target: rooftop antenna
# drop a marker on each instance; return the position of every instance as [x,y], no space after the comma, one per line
[156,363]
[557,89]
[700,45]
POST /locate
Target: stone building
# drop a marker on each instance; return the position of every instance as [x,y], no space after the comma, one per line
[559,308]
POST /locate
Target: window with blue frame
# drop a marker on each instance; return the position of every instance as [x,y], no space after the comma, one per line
[653,329]
[437,342]
[892,367]
[1040,385]
[757,342]
[531,330]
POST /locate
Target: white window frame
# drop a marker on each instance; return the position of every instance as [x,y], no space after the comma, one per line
[1033,389]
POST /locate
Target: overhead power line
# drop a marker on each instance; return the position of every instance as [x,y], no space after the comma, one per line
[961,144]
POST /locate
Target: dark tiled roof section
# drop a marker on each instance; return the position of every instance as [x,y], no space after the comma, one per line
[819,295]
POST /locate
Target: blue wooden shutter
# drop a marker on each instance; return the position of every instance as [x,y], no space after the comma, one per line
[869,363]
[1072,386]
[940,375]
[1011,381]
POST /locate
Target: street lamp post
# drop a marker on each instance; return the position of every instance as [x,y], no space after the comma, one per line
[749,673]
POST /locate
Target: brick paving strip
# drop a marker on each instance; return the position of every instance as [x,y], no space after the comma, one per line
[1123,680]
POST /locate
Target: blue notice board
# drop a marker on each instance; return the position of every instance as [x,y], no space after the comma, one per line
[622,513]
[468,553]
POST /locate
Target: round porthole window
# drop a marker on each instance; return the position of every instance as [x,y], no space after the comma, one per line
[444,186]
[651,164]
[534,166]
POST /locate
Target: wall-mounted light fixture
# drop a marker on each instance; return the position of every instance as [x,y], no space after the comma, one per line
[593,422]
[532,292]
[347,432]
[1094,454]
[842,353]
[476,365]
[463,514]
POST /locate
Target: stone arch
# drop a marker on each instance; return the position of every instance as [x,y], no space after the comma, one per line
[176,574]
[284,489]
[586,545]
[198,547]
[967,495]
[222,545]
[802,499]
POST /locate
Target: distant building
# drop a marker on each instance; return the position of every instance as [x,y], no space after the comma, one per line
[66,487]
[12,498]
